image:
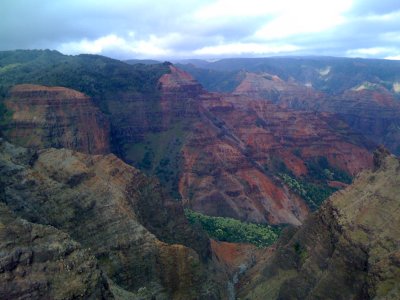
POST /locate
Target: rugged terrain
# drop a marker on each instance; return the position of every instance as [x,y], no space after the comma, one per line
[140,238]
[368,108]
[39,262]
[43,117]
[237,146]
[78,132]
[349,249]
[214,150]
[227,155]
[364,93]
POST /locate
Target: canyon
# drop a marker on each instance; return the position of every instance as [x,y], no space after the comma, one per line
[99,159]
[225,150]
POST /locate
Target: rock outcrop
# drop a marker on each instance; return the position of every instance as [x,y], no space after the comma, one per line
[41,262]
[349,249]
[140,238]
[57,117]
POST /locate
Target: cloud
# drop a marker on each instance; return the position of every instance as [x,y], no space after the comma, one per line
[245,48]
[144,48]
[301,18]
[209,28]
[221,9]
[376,51]
[393,57]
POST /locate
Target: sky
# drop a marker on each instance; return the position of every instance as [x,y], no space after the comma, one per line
[209,29]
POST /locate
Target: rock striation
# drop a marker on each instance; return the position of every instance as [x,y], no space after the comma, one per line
[57,117]
[140,238]
[369,109]
[349,249]
[212,149]
[230,152]
[220,153]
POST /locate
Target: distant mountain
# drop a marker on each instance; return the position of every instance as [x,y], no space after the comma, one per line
[365,93]
[142,61]
[328,74]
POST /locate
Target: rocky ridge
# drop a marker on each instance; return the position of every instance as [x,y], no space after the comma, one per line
[369,109]
[101,203]
[39,262]
[348,249]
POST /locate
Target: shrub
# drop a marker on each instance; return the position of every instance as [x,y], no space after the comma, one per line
[232,230]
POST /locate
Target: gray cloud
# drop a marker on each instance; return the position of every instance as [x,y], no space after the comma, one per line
[176,28]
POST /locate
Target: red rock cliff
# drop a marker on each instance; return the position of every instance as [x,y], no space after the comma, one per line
[230,139]
[56,117]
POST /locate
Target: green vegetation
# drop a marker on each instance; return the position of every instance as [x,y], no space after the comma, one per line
[314,187]
[99,77]
[159,154]
[5,115]
[313,194]
[276,166]
[232,230]
[301,252]
[320,169]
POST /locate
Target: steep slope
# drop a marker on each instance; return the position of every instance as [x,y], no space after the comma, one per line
[374,112]
[273,88]
[349,249]
[240,146]
[42,117]
[224,155]
[362,92]
[218,146]
[120,90]
[41,262]
[140,238]
[367,108]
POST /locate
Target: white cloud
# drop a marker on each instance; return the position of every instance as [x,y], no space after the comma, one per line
[185,28]
[374,51]
[245,48]
[303,17]
[396,57]
[93,46]
[153,46]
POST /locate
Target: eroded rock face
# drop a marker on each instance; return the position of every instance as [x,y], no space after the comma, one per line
[229,157]
[102,203]
[349,249]
[58,117]
[218,151]
[41,262]
[218,146]
[369,109]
